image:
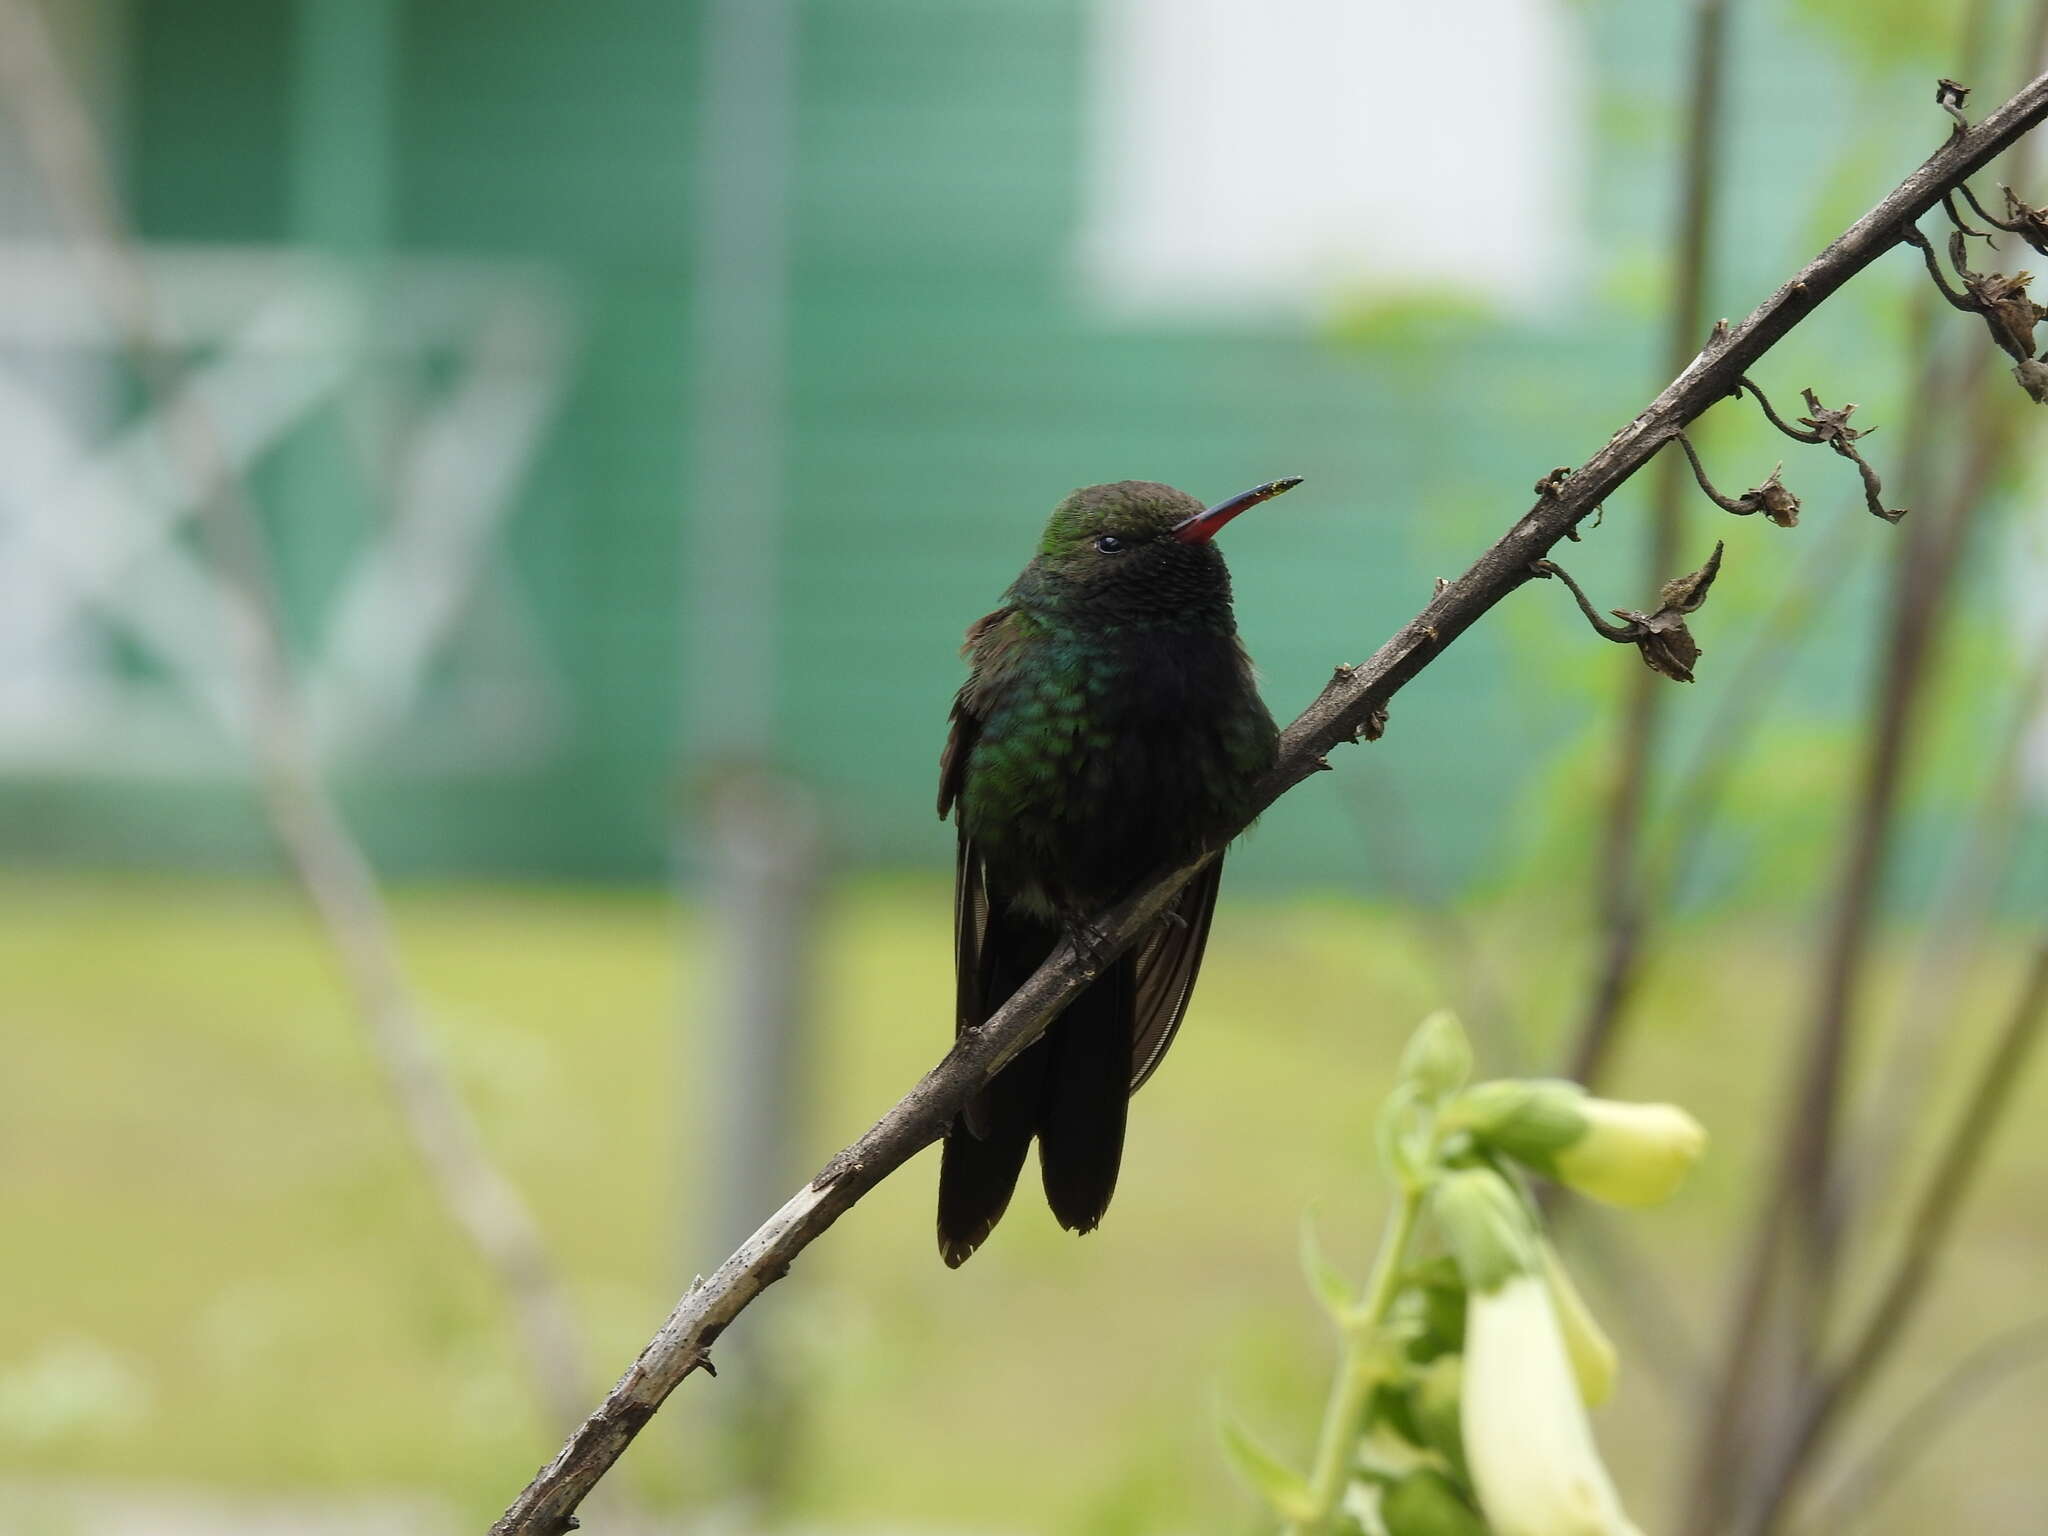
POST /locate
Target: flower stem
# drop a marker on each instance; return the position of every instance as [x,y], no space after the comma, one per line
[1358,1368]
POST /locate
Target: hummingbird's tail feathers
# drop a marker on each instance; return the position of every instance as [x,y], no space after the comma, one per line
[985,1147]
[984,1154]
[1087,1096]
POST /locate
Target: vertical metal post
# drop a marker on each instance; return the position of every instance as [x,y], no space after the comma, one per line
[740,339]
[759,903]
[756,834]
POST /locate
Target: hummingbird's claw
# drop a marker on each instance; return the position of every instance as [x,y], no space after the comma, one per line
[1091,945]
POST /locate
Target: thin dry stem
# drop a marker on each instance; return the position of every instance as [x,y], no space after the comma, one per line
[331,869]
[1926,1237]
[1944,1406]
[1624,900]
[1954,937]
[1774,1335]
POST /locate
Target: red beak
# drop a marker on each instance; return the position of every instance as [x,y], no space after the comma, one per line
[1202,527]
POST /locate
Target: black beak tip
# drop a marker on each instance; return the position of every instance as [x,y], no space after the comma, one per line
[1202,526]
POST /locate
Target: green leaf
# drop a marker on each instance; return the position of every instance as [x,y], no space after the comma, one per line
[1438,1411]
[1271,1478]
[1440,1291]
[1390,1406]
[1332,1289]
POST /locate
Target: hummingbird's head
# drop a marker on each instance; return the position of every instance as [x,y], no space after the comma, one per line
[1145,542]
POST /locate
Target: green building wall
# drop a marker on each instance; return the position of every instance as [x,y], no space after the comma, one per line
[947,384]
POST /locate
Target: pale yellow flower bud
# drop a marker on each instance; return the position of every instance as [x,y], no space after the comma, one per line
[1631,1154]
[1627,1154]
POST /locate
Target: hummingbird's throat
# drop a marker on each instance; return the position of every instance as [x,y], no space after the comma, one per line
[1202,527]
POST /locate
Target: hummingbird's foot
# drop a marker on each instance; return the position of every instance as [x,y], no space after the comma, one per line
[1092,946]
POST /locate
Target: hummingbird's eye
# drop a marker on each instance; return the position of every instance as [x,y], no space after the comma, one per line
[1109,543]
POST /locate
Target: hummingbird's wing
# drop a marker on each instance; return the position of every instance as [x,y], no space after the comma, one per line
[974,959]
[964,724]
[1168,963]
[970,880]
[961,729]
[985,1148]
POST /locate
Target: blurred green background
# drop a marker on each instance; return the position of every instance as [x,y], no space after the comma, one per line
[616,417]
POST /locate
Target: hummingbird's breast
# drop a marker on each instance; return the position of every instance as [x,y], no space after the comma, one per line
[1104,755]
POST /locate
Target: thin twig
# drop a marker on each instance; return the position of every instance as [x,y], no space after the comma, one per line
[1762,1357]
[1954,936]
[1944,1405]
[1950,95]
[333,872]
[1619,634]
[1699,473]
[1989,218]
[1344,712]
[1925,1239]
[1771,415]
[1923,580]
[1963,225]
[1771,498]
[1799,1203]
[2029,223]
[1925,247]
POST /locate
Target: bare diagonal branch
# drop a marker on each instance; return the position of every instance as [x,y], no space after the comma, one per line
[1345,711]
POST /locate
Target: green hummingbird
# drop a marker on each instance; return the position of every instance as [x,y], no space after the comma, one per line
[1110,726]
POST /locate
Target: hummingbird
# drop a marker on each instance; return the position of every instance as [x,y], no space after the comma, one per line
[1110,726]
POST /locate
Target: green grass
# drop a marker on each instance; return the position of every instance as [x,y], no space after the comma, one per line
[222,1268]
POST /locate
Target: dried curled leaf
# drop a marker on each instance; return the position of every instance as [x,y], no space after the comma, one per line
[2033,377]
[2001,300]
[1662,639]
[1832,427]
[2006,308]
[1666,645]
[1775,500]
[1685,594]
[1828,424]
[2030,224]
